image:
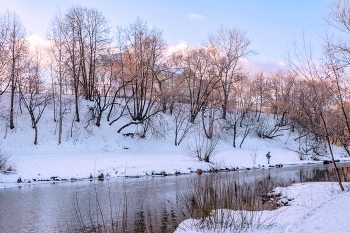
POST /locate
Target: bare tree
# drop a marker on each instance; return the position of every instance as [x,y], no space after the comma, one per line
[142,52]
[339,20]
[337,59]
[182,124]
[210,114]
[227,46]
[92,35]
[71,24]
[54,35]
[120,81]
[259,89]
[201,147]
[50,61]
[31,90]
[169,81]
[107,85]
[317,100]
[4,52]
[18,50]
[84,33]
[200,79]
[248,125]
[232,121]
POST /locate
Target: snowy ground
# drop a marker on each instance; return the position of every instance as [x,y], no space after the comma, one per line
[105,154]
[315,207]
[87,150]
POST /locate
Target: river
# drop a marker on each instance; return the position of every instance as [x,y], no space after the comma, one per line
[140,203]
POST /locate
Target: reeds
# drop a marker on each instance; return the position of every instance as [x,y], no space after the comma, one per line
[228,202]
[215,202]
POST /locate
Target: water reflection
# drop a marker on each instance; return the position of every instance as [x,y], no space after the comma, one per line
[128,205]
[322,174]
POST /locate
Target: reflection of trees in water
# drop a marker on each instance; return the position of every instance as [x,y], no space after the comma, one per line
[140,221]
[196,196]
[162,221]
[324,174]
[230,190]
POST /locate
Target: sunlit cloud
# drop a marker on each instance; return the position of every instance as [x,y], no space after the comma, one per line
[195,16]
[35,41]
[253,67]
[181,46]
[281,63]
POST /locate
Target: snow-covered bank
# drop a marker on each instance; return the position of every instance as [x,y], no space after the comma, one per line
[87,150]
[314,207]
[144,157]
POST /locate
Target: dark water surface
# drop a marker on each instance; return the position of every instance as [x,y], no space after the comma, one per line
[147,202]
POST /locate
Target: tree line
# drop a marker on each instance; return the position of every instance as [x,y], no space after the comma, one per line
[131,73]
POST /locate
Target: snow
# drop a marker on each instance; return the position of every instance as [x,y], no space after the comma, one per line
[315,207]
[87,150]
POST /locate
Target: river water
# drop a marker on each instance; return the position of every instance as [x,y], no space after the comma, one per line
[139,203]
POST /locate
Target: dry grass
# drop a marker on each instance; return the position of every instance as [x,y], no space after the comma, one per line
[217,201]
[228,202]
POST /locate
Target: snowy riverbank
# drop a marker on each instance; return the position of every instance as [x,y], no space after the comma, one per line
[87,150]
[314,207]
[70,161]
[107,154]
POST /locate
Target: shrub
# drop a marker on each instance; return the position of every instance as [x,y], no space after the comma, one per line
[5,162]
[101,176]
[228,202]
[203,148]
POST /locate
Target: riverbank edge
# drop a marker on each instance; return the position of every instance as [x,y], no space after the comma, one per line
[55,179]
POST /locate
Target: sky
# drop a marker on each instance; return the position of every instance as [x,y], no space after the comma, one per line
[272,25]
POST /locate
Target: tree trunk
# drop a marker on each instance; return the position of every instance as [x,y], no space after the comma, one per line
[36,134]
[224,105]
[98,120]
[11,108]
[331,151]
[77,105]
[192,118]
[13,88]
[234,134]
[171,108]
[164,106]
[131,123]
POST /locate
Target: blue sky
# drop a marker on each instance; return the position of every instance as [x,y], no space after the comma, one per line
[272,25]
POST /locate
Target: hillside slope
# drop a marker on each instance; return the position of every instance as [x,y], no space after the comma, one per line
[88,150]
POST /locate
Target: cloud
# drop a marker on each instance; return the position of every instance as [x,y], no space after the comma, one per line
[182,45]
[281,63]
[195,16]
[253,67]
[35,40]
